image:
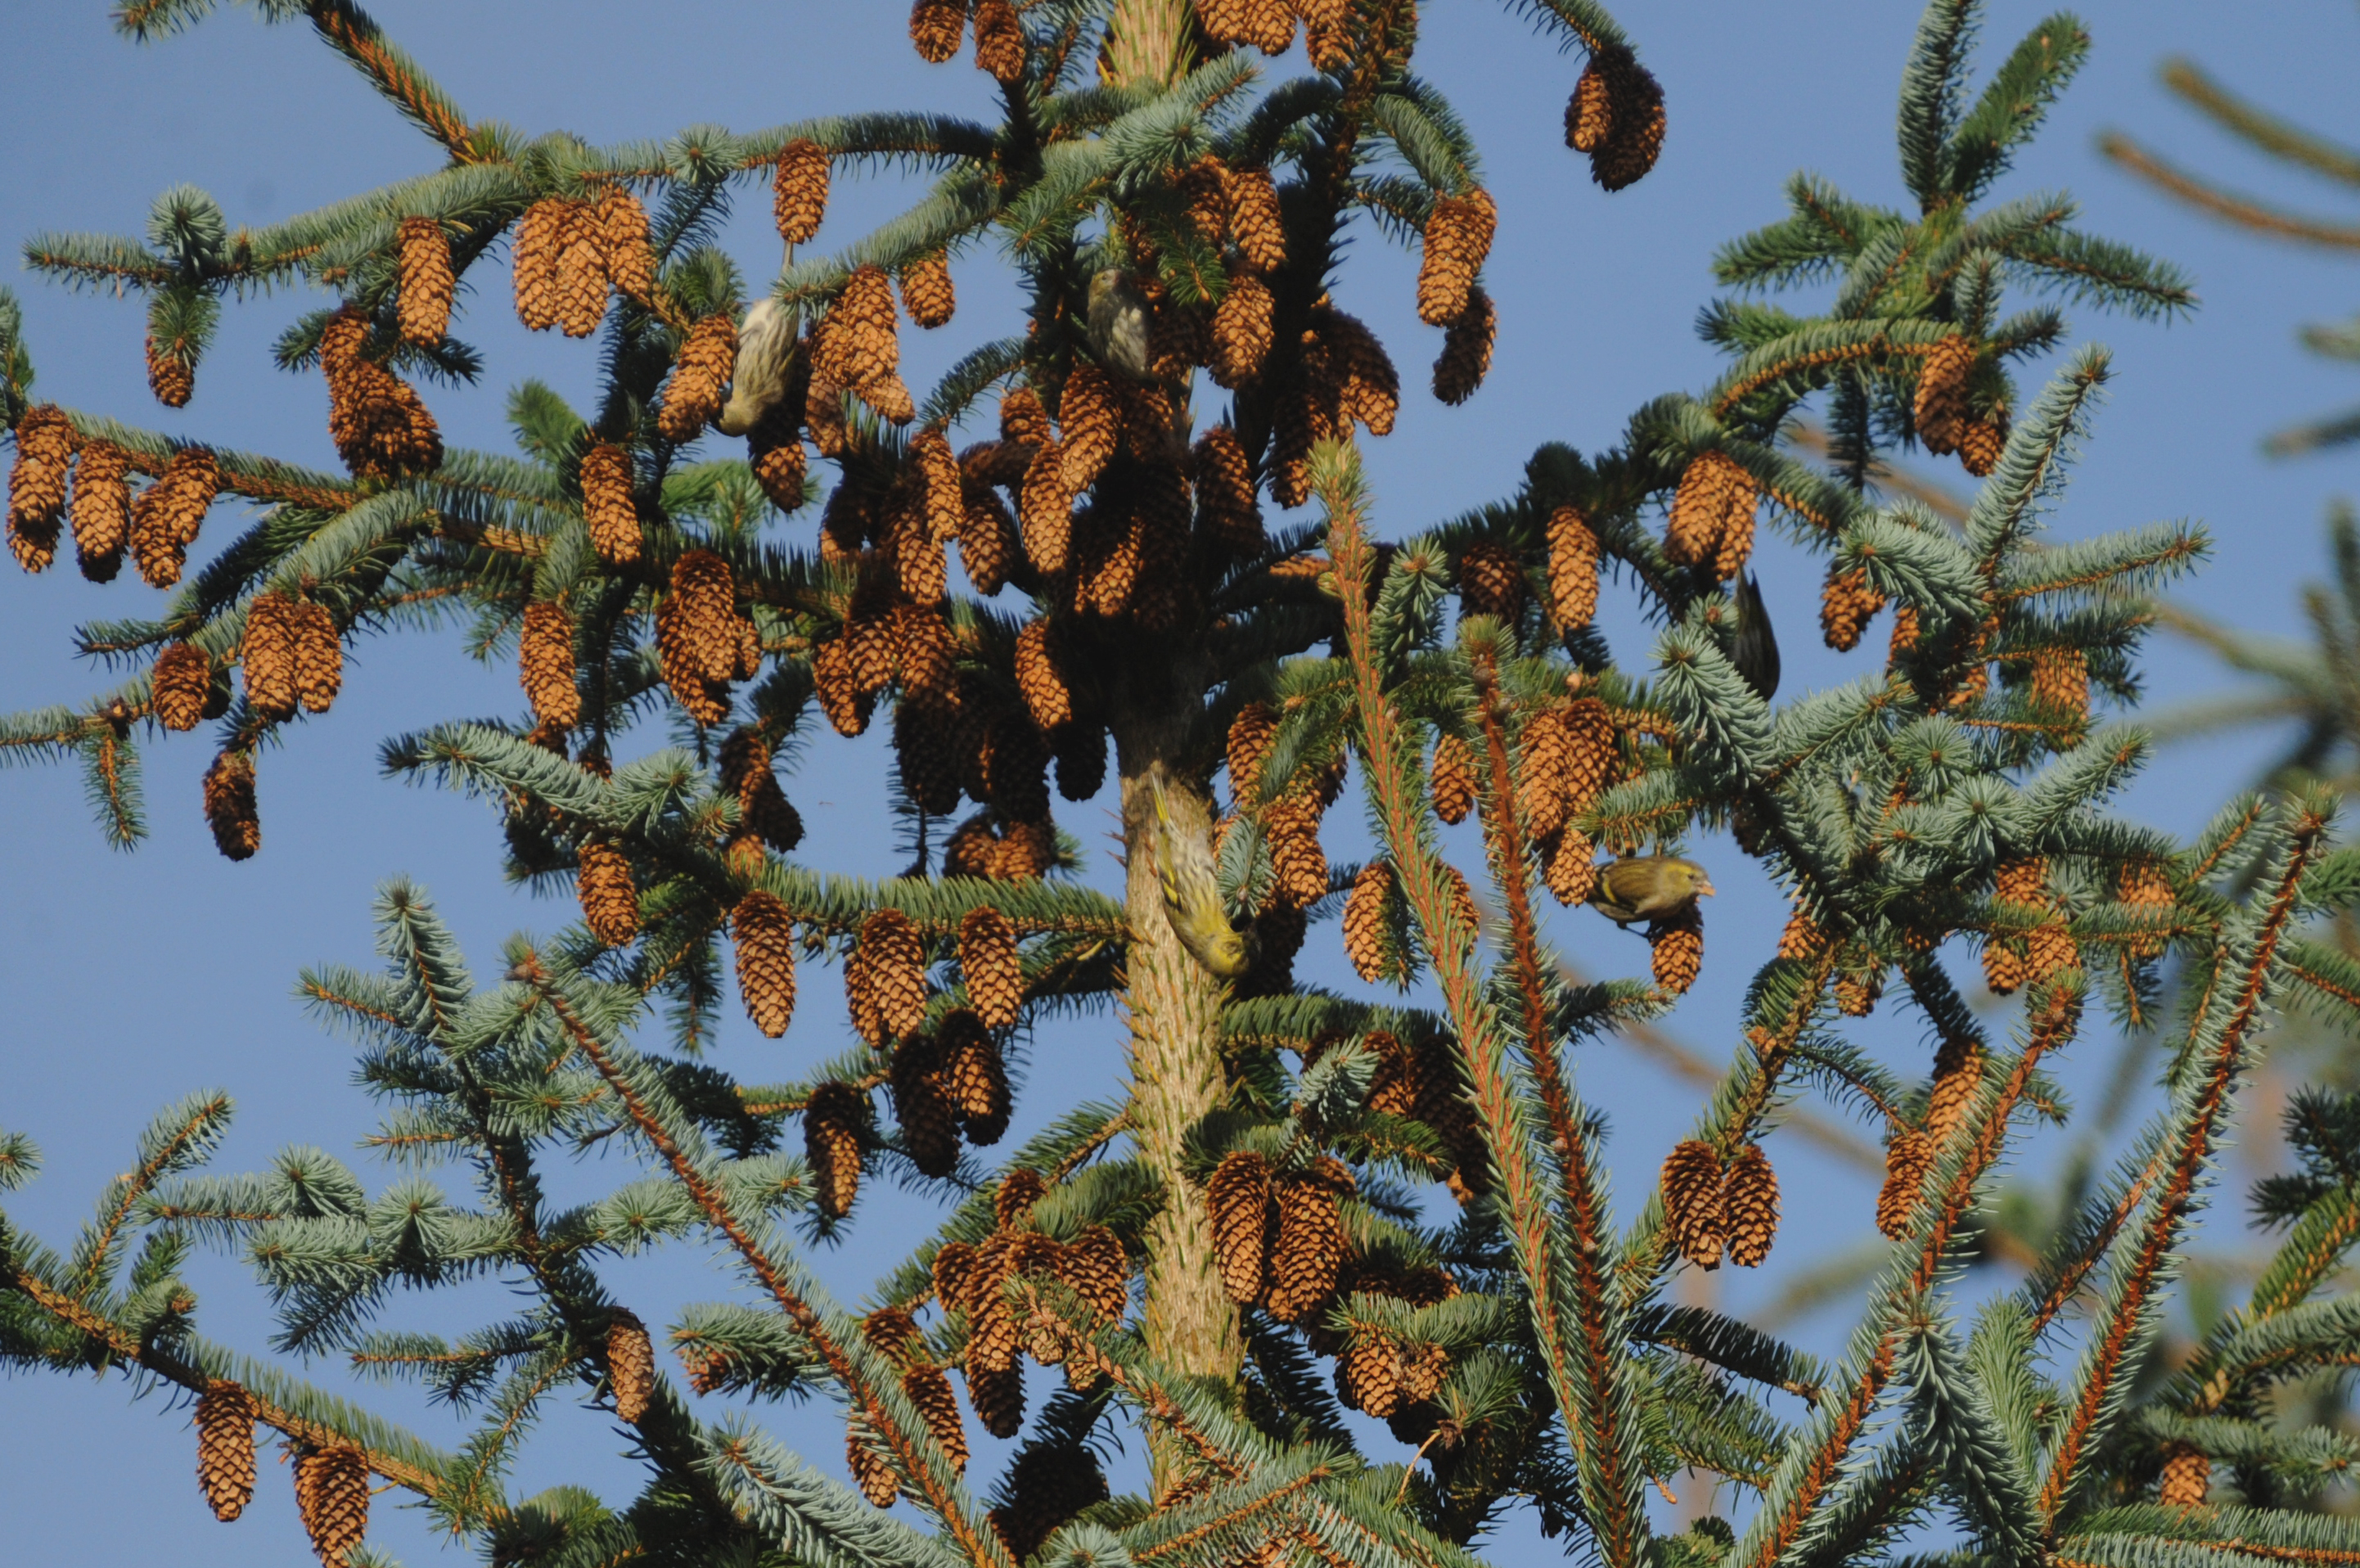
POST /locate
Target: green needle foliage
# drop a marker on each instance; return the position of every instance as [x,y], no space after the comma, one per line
[1253,1240]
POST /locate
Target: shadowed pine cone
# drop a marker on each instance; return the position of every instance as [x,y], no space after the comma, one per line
[1097,1270]
[799,191]
[621,224]
[1466,357]
[1237,1196]
[225,1448]
[179,685]
[930,1391]
[1366,941]
[997,1396]
[1622,143]
[765,937]
[1228,511]
[1047,507]
[999,44]
[832,1143]
[1750,1203]
[1242,331]
[630,1366]
[1251,735]
[1491,581]
[870,1471]
[1694,1210]
[975,1075]
[1298,864]
[230,806]
[922,1106]
[1982,442]
[1454,779]
[1254,220]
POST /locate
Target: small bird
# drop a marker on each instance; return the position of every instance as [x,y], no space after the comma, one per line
[1192,893]
[1118,324]
[766,344]
[1755,651]
[1648,887]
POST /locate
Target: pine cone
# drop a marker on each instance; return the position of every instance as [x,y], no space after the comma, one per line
[1750,1202]
[1957,1077]
[1091,416]
[1906,1160]
[101,509]
[545,665]
[1491,582]
[775,450]
[1309,1249]
[998,41]
[1625,149]
[2187,1477]
[975,1077]
[179,686]
[1298,865]
[1572,868]
[1981,443]
[1255,222]
[1941,409]
[1712,514]
[607,509]
[1694,1211]
[926,291]
[1572,570]
[1676,947]
[2048,948]
[1458,239]
[799,192]
[1368,941]
[630,1366]
[2060,682]
[692,399]
[993,971]
[266,654]
[1367,1374]
[1592,750]
[988,542]
[895,959]
[930,1391]
[380,428]
[1802,938]
[332,1489]
[225,1448]
[1047,511]
[870,1471]
[1243,331]
[2145,886]
[2003,965]
[1466,357]
[37,485]
[426,282]
[1544,773]
[1228,511]
[621,228]
[765,934]
[1096,1268]
[832,1123]
[171,372]
[539,239]
[230,807]
[937,28]
[855,344]
[1039,679]
[165,518]
[1846,605]
[922,1108]
[1454,779]
[581,288]
[997,1396]
[319,656]
[1239,1197]
[610,900]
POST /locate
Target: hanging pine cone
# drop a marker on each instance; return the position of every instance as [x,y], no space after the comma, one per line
[1491,582]
[1572,570]
[1298,864]
[832,1122]
[1047,508]
[999,40]
[975,1077]
[319,656]
[171,371]
[1677,951]
[1801,939]
[2048,948]
[993,971]
[923,1109]
[1091,418]
[926,290]
[581,288]
[2145,886]
[1466,357]
[1310,1246]
[1228,511]
[2187,1477]
[332,1491]
[1590,113]
[1981,443]
[1096,1268]
[426,282]
[545,665]
[937,28]
[225,1448]
[607,509]
[380,428]
[1368,942]
[1940,409]
[1695,1215]
[230,806]
[1543,774]
[997,1396]
[1591,749]
[1750,1202]
[1243,331]
[1712,514]
[630,1366]
[930,1391]
[1454,779]
[1254,220]
[100,510]
[1625,146]
[610,901]
[1846,605]
[1039,679]
[692,399]
[1957,1077]
[1571,870]
[1456,241]
[621,228]
[179,686]
[1367,1374]
[267,655]
[765,937]
[165,518]
[894,957]
[870,1471]
[540,238]
[2060,682]
[1239,1197]
[37,485]
[799,191]
[1906,1160]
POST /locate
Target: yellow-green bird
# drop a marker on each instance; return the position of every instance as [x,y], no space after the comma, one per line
[1192,892]
[1648,887]
[1118,324]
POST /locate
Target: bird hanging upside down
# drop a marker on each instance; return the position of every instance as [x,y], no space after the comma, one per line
[1192,892]
[1648,887]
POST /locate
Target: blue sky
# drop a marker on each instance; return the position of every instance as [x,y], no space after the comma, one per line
[131,979]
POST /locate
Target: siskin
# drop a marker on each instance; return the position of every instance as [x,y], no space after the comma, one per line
[1755,651]
[766,344]
[1118,324]
[1648,887]
[1192,893]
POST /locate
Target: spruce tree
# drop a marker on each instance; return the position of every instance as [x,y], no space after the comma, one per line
[1257,1237]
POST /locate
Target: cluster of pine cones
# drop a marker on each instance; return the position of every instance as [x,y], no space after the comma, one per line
[157,525]
[332,1482]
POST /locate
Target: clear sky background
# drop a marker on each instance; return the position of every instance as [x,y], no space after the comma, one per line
[129,979]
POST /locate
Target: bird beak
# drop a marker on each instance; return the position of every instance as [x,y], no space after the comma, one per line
[1704,887]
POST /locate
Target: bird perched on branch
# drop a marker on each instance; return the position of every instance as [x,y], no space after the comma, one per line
[1118,324]
[1192,892]
[1648,887]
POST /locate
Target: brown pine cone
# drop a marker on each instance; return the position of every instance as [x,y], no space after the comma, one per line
[225,1448]
[870,1471]
[2187,1477]
[1982,442]
[937,28]
[380,427]
[1298,864]
[1242,331]
[765,938]
[1367,1374]
[975,1077]
[1366,387]
[1251,735]
[1846,605]
[540,238]
[1022,421]
[1906,1160]
[1040,677]
[2048,948]
[1590,113]
[426,282]
[693,397]
[1957,1077]
[997,1396]
[774,448]
[607,509]
[1458,240]
[1091,418]
[1634,131]
[1239,1197]
[1571,870]
[1572,570]
[993,969]
[1466,357]
[1940,409]
[922,1106]
[1712,513]
[267,655]
[630,1366]
[171,371]
[1047,508]
[332,1490]
[998,45]
[1491,581]
[1750,1202]
[2003,965]
[610,900]
[1228,511]
[931,1391]
[1802,938]
[987,542]
[319,656]
[832,1122]
[37,485]
[230,806]
[1544,773]
[2060,682]
[1096,1268]
[926,291]
[2023,880]
[1254,220]
[179,686]
[167,517]
[894,957]
[2145,885]
[704,594]
[799,191]
[1694,1213]
[1018,1190]
[545,665]
[855,344]
[1367,940]
[1309,1249]
[100,510]
[680,656]
[1592,753]
[1677,951]
[1454,779]
[942,488]
[582,285]
[621,226]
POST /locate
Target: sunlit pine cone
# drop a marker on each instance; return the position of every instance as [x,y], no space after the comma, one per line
[1366,941]
[545,665]
[680,659]
[764,934]
[1906,1160]
[2048,948]
[1462,913]
[2187,1477]
[1736,545]
[1572,569]
[1695,1215]
[1592,750]
[1713,489]
[230,805]
[1255,224]
[1243,331]
[2004,969]
[1542,776]
[1251,735]
[1237,1197]
[1097,1270]
[610,901]
[1092,420]
[1308,1251]
[975,1077]
[799,191]
[1367,1374]
[37,485]
[267,655]
[693,397]
[990,966]
[1229,21]
[1027,851]
[1857,990]
[896,960]
[857,345]
[1456,241]
[167,517]
[2145,885]
[1982,442]
[1454,779]
[871,1472]
[1634,130]
[171,371]
[1590,113]
[332,1491]
[1750,1201]
[832,1143]
[1299,864]
[620,225]
[920,566]
[100,510]
[774,449]
[630,1366]
[837,688]
[1941,407]
[1677,951]
[930,1391]
[2021,880]
[937,28]
[1022,421]
[179,685]
[922,1108]
[926,290]
[540,238]
[1368,389]
[607,511]
[1802,938]
[319,656]
[987,541]
[1572,868]
[2060,682]
[942,487]
[1847,603]
[1958,1075]
[1013,1199]
[1048,511]
[999,40]
[427,283]
[1466,357]
[1040,678]
[225,1448]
